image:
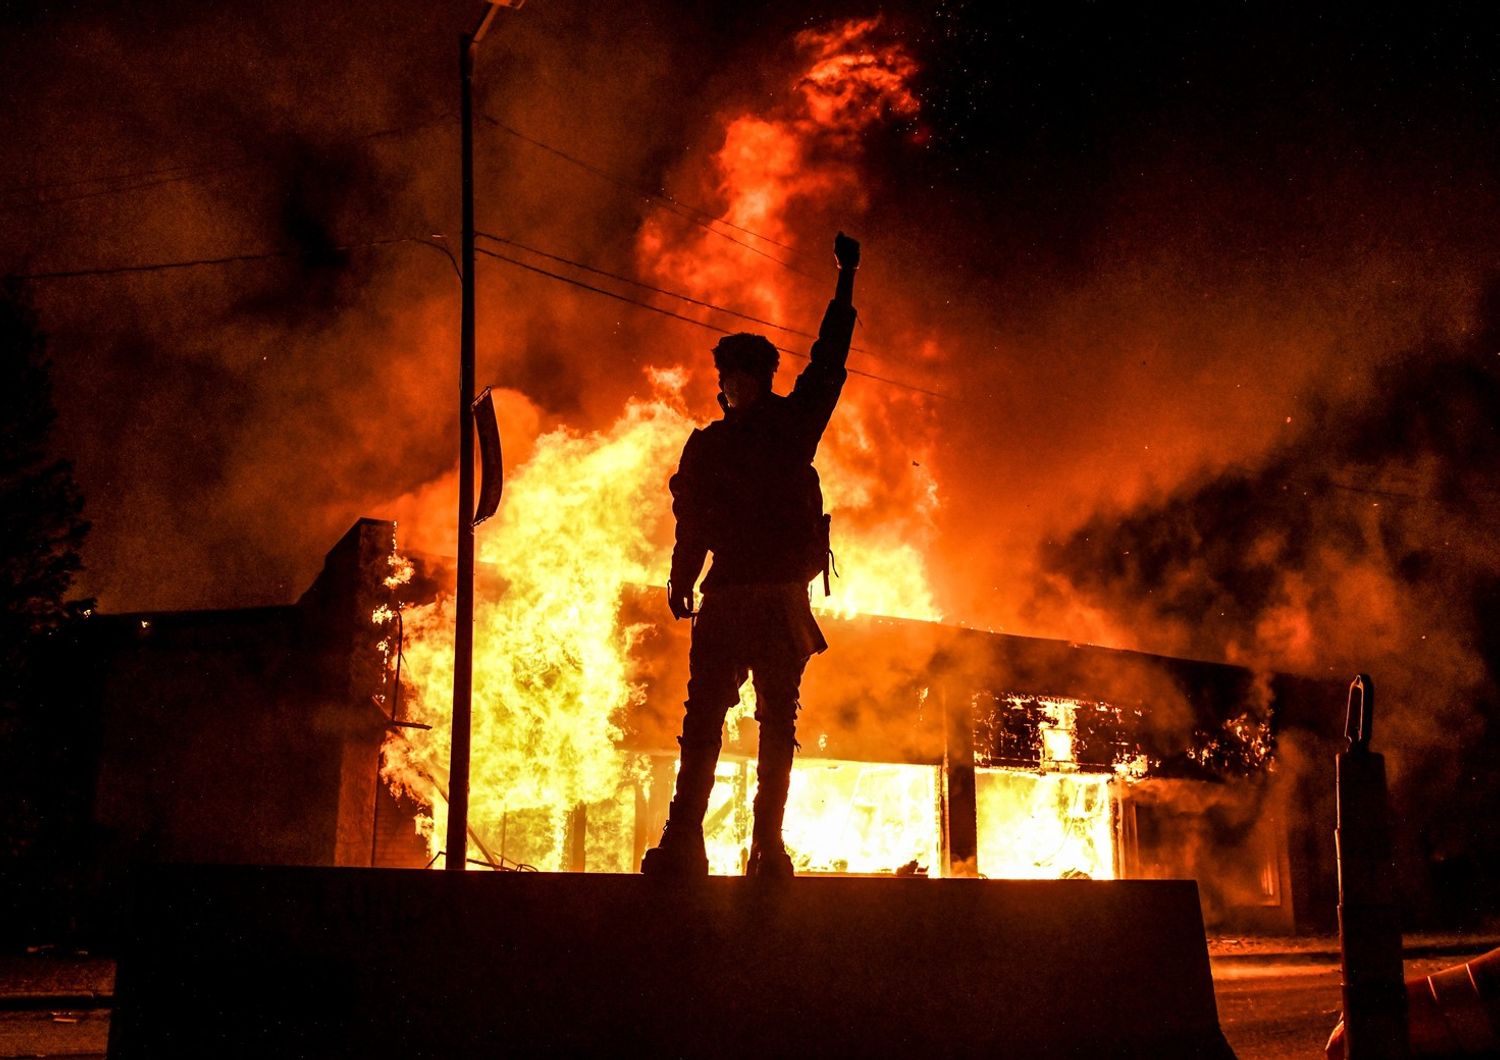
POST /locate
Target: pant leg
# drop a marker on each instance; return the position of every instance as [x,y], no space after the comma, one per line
[715,674]
[778,677]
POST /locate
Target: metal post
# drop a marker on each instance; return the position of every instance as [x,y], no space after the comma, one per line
[456,843]
[1369,927]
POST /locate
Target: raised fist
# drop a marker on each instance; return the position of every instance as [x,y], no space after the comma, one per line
[846,250]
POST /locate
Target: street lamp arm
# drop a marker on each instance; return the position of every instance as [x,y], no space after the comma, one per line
[491,7]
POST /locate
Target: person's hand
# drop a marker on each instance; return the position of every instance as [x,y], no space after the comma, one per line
[680,601]
[846,250]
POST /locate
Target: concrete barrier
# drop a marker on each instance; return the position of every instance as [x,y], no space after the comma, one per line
[228,962]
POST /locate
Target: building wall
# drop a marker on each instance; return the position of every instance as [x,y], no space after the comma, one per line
[246,736]
[208,754]
[1210,807]
[253,736]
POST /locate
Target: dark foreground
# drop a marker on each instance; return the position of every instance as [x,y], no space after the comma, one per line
[1276,998]
[1285,1005]
[323,962]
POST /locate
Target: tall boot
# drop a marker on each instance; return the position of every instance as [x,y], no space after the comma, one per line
[680,852]
[768,856]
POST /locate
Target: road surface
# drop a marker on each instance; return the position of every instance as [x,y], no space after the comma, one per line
[1270,1007]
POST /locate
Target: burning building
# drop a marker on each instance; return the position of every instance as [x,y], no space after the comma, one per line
[260,736]
[934,750]
[309,733]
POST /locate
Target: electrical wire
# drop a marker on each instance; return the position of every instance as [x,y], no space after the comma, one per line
[690,320]
[669,293]
[138,174]
[152,178]
[644,286]
[630,185]
[1456,504]
[122,189]
[229,259]
[704,219]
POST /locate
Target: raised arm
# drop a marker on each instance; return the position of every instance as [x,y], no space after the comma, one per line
[817,389]
[832,348]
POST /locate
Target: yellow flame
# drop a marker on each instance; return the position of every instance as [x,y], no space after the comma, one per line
[582,519]
[589,514]
[841,817]
[1045,826]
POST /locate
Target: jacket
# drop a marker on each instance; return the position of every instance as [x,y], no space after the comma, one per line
[746,489]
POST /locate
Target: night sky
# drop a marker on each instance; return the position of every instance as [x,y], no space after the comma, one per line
[1166,269]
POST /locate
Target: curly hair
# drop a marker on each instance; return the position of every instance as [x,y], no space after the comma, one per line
[747,352]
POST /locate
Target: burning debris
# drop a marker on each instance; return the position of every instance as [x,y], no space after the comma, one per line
[1064,785]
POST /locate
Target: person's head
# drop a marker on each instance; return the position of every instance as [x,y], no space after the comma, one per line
[746,364]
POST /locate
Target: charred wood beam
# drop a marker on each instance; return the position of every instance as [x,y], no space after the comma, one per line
[960,806]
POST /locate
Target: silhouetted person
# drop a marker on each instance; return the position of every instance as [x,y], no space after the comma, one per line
[746,491]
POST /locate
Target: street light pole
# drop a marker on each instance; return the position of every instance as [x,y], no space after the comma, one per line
[457,843]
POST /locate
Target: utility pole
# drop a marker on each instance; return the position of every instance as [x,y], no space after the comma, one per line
[456,844]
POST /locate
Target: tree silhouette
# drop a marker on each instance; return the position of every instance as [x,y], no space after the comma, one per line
[41,532]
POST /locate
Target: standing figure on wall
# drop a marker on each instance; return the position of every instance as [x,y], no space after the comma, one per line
[746,490]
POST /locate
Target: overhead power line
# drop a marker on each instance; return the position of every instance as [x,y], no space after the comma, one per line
[104,178]
[120,183]
[268,255]
[630,185]
[228,259]
[97,193]
[705,219]
[690,320]
[666,291]
[1455,503]
[642,285]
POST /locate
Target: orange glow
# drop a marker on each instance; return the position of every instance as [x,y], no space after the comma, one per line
[841,817]
[581,521]
[588,515]
[852,80]
[1045,826]
[1058,821]
[862,817]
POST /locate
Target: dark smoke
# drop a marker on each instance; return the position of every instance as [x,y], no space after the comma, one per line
[229,423]
[1367,543]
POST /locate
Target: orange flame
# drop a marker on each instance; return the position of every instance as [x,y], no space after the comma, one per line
[589,515]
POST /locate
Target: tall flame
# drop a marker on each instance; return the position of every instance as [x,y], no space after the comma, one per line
[589,514]
[583,519]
